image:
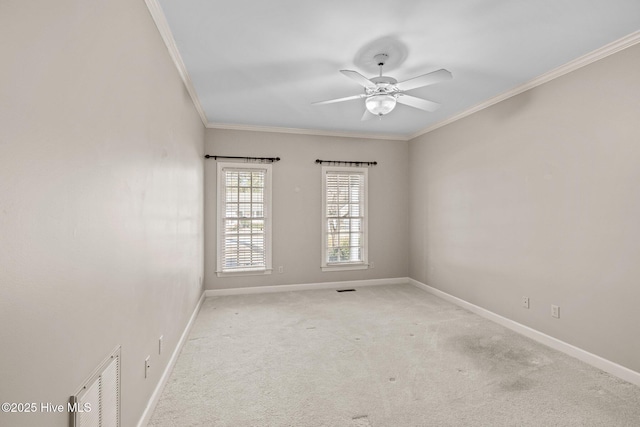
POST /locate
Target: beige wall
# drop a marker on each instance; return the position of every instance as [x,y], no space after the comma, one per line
[297,199]
[100,201]
[538,196]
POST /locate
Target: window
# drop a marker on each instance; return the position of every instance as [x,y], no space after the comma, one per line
[344,211]
[244,222]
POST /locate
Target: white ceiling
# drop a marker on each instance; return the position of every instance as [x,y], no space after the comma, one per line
[262,63]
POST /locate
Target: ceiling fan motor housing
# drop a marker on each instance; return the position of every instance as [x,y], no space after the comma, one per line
[384,85]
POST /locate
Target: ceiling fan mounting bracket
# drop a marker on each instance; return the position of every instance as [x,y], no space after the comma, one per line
[381,59]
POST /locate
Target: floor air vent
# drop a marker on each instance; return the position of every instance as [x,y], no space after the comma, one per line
[345,290]
[97,403]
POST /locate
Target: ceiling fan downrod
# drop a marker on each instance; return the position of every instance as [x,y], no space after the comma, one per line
[381,59]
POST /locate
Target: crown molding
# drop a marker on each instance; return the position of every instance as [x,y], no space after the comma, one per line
[297,131]
[163,27]
[580,62]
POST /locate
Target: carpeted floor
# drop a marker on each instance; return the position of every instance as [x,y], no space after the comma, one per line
[381,356]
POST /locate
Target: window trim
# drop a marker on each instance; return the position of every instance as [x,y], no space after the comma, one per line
[221,192]
[345,266]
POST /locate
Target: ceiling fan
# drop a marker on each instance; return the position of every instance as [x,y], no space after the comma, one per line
[383,92]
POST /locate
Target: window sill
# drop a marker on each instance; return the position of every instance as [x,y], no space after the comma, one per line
[243,273]
[344,267]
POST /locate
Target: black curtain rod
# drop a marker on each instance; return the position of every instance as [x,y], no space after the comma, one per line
[269,159]
[345,162]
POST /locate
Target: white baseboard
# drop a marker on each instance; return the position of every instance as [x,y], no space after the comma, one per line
[153,401]
[594,360]
[306,287]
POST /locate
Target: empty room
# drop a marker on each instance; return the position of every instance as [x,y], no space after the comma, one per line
[297,213]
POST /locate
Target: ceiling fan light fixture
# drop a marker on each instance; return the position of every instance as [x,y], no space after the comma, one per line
[380,104]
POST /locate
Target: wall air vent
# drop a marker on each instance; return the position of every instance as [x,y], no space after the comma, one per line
[97,403]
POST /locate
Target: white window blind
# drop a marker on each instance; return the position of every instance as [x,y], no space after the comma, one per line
[345,222]
[243,221]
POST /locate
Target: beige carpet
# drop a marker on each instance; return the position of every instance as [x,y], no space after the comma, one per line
[380,356]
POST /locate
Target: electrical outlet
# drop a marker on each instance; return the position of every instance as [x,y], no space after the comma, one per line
[525,302]
[160,344]
[147,366]
[280,270]
[555,311]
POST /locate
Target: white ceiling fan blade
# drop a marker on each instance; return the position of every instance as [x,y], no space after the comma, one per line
[347,98]
[419,103]
[359,78]
[367,115]
[425,80]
